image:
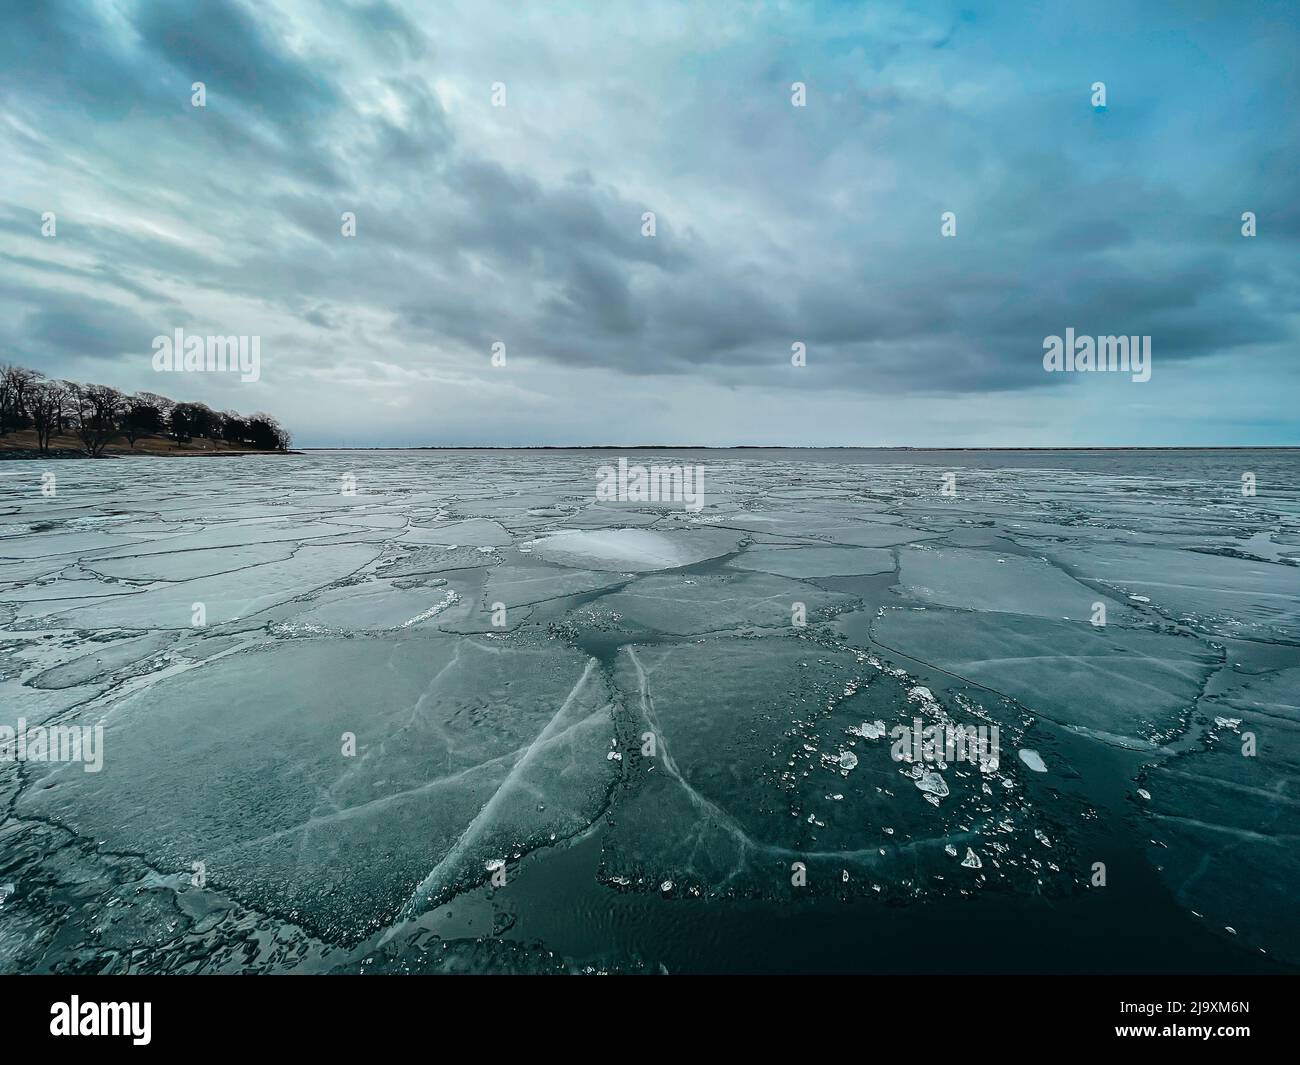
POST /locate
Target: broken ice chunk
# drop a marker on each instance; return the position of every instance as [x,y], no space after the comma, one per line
[433,611]
[932,783]
[1033,760]
[637,550]
[972,860]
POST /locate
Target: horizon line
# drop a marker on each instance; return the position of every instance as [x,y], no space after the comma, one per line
[798,447]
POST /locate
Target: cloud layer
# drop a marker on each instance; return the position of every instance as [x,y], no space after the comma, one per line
[775,224]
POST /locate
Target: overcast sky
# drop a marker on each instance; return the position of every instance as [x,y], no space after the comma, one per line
[775,224]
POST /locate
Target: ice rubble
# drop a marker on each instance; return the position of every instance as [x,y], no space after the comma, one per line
[749,739]
[481,742]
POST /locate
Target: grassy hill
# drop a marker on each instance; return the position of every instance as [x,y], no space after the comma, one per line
[21,443]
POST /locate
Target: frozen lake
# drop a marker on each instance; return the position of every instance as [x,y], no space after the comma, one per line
[449,711]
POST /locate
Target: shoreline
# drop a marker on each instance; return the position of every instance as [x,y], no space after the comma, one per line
[24,454]
[804,447]
[33,455]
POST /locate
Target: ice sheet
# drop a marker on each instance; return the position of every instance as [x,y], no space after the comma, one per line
[766,641]
[1130,686]
[240,764]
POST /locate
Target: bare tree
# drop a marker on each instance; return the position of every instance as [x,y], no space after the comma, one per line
[6,397]
[98,414]
[180,420]
[143,416]
[17,384]
[65,408]
[163,408]
[45,403]
[25,382]
[266,433]
[98,411]
[8,419]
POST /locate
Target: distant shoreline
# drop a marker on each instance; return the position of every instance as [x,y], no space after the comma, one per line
[63,454]
[25,454]
[798,447]
[20,445]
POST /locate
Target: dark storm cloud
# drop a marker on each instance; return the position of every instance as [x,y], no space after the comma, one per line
[775,224]
[220,42]
[75,327]
[59,50]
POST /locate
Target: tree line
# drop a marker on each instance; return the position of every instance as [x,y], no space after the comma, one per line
[99,414]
